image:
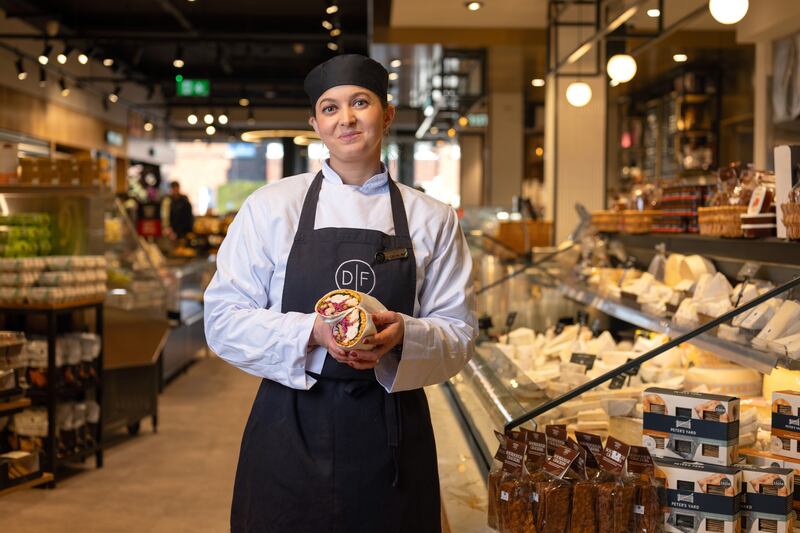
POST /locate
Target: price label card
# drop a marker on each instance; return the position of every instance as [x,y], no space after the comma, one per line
[748,270]
[618,382]
[633,371]
[504,496]
[585,359]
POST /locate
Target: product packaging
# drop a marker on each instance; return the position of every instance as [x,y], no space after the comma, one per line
[514,505]
[767,495]
[700,498]
[768,459]
[556,437]
[493,484]
[648,516]
[785,439]
[691,426]
[552,494]
[615,494]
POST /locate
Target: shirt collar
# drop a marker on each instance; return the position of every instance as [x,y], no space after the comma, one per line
[376,184]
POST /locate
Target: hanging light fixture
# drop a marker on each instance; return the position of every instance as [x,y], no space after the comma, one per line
[211,130]
[333,46]
[222,118]
[178,61]
[148,126]
[621,67]
[62,83]
[63,56]
[192,119]
[42,78]
[537,82]
[22,74]
[83,58]
[44,57]
[579,93]
[396,63]
[114,96]
[108,62]
[728,11]
[244,102]
[332,8]
[327,25]
[208,118]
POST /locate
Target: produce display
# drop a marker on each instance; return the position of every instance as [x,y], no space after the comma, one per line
[52,279]
[25,235]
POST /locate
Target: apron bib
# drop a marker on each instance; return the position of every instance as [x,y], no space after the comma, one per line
[345,456]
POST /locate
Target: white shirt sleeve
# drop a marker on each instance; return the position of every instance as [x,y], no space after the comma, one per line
[439,343]
[239,327]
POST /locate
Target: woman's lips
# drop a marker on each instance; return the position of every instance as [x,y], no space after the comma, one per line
[349,136]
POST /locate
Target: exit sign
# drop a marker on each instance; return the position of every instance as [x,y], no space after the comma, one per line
[187,87]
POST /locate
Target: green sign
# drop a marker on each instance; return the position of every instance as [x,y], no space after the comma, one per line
[187,87]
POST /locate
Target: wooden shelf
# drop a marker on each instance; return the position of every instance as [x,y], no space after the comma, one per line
[14,405]
[46,477]
[52,307]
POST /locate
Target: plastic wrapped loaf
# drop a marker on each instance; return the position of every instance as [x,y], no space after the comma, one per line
[334,305]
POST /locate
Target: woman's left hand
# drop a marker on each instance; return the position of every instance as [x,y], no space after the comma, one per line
[391,330]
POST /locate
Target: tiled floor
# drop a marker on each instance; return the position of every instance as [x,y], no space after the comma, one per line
[180,480]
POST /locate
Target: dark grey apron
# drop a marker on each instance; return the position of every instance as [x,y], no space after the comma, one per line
[344,456]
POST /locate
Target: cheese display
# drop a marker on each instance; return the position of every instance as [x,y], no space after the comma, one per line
[784,323]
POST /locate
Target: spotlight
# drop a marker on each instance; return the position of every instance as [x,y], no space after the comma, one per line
[251,118]
[389,97]
[63,56]
[83,58]
[22,74]
[463,121]
[114,96]
[332,8]
[621,67]
[192,119]
[451,132]
[434,130]
[333,46]
[327,25]
[396,63]
[537,82]
[654,13]
[222,118]
[473,6]
[244,102]
[579,94]
[108,62]
[64,89]
[208,118]
[211,130]
[44,57]
[335,32]
[42,78]
[148,126]
[680,58]
[393,76]
[178,61]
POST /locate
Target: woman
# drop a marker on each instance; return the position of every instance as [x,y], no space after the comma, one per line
[339,440]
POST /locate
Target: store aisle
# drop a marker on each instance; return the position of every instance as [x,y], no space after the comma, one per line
[178,480]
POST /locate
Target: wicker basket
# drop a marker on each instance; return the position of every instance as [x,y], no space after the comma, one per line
[637,222]
[606,221]
[722,221]
[791,219]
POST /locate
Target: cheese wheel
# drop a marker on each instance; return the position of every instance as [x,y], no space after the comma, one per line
[729,380]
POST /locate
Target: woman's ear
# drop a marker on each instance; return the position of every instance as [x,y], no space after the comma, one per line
[312,121]
[388,116]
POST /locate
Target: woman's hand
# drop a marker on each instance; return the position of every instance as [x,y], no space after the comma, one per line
[322,335]
[391,330]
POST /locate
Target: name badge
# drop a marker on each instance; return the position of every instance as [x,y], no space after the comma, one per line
[391,255]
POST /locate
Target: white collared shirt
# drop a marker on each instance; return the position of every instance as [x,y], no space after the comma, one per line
[243,320]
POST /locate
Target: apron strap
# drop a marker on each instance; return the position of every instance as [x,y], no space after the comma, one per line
[308,215]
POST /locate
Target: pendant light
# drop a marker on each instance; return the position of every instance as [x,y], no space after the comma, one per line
[579,93]
[621,68]
[728,11]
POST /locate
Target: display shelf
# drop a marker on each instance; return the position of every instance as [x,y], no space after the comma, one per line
[737,353]
[46,477]
[67,306]
[80,454]
[62,393]
[12,406]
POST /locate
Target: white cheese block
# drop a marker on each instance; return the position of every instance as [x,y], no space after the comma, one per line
[694,266]
[757,317]
[592,415]
[672,271]
[522,337]
[785,322]
[595,425]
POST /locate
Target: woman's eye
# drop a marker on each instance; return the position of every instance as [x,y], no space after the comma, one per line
[360,103]
[328,109]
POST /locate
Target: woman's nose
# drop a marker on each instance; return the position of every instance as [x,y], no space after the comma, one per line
[347,117]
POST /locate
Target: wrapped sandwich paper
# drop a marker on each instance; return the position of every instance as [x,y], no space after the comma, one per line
[350,315]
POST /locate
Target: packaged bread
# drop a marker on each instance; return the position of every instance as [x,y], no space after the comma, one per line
[537,450]
[514,503]
[334,305]
[647,514]
[615,494]
[493,484]
[552,494]
[583,517]
[556,437]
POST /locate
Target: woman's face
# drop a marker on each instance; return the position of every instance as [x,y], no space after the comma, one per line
[350,120]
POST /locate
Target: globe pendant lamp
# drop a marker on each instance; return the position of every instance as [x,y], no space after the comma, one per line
[621,68]
[728,11]
[579,93]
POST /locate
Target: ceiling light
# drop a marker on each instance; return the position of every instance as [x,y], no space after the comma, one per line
[114,96]
[298,48]
[428,111]
[83,58]
[728,11]
[108,62]
[396,63]
[333,46]
[393,76]
[537,82]
[222,119]
[211,130]
[148,126]
[44,57]
[22,74]
[473,6]
[42,78]
[654,13]
[62,83]
[434,130]
[63,56]
[614,83]
[192,119]
[244,102]
[463,121]
[335,32]
[579,93]
[327,25]
[680,58]
[332,8]
[451,132]
[621,67]
[208,118]
[251,118]
[389,97]
[178,61]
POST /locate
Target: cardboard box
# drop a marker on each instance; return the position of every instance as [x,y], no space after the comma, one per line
[769,459]
[691,426]
[785,424]
[767,497]
[700,498]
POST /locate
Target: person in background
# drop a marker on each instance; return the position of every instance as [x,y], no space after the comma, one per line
[176,213]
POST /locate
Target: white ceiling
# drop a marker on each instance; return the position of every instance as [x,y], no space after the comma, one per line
[525,14]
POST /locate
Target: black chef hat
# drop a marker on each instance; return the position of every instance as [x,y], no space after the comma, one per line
[347,69]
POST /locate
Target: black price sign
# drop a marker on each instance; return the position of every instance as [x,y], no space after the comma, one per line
[510,319]
[618,382]
[585,359]
[633,371]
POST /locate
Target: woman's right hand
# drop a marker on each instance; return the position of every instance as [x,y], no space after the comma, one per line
[322,335]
